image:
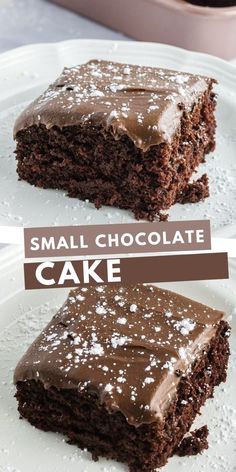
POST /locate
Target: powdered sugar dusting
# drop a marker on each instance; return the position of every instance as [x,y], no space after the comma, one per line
[128,97]
[126,338]
[220,412]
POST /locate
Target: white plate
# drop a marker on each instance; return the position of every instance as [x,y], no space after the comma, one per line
[26,449]
[27,71]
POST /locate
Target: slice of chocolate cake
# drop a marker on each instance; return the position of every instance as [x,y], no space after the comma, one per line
[121,135]
[123,371]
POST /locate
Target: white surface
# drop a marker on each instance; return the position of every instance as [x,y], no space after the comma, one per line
[25,72]
[24,314]
[36,21]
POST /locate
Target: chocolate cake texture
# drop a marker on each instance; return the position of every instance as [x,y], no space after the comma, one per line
[123,371]
[194,443]
[121,135]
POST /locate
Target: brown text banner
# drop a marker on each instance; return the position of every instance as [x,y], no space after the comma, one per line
[131,270]
[109,239]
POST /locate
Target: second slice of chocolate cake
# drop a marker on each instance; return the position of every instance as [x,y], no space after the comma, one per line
[121,135]
[123,371]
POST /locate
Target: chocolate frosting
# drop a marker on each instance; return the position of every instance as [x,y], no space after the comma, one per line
[145,103]
[126,343]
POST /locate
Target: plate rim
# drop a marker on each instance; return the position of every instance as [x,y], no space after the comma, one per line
[63,45]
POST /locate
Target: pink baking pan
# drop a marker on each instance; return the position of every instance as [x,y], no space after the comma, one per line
[176,22]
